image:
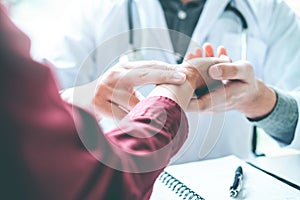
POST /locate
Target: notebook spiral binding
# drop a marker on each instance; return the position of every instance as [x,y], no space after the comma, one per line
[178,187]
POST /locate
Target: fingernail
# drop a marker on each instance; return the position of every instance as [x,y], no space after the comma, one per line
[224,57]
[179,76]
[215,72]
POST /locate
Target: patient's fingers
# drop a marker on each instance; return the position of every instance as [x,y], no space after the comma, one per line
[221,51]
[197,54]
[208,49]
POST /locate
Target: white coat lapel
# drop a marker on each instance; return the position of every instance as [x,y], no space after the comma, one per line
[152,16]
[212,10]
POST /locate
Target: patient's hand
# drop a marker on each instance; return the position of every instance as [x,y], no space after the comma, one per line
[206,83]
[196,77]
[241,90]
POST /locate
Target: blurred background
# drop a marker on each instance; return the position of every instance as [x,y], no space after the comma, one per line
[39,19]
[42,19]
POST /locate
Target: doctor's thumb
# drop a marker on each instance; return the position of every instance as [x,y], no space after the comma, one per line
[215,72]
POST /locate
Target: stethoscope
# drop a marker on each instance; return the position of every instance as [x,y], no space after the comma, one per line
[229,7]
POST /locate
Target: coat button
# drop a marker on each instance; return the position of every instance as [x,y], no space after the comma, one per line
[181,15]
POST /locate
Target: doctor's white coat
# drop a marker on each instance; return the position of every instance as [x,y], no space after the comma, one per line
[99,35]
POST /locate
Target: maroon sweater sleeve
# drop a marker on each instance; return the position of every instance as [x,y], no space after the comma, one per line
[50,150]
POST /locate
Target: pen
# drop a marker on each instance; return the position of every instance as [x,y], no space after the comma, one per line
[237,183]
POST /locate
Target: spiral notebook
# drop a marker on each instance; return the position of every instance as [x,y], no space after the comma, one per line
[211,180]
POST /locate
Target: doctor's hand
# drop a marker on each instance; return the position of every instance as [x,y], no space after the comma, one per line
[196,77]
[115,95]
[242,91]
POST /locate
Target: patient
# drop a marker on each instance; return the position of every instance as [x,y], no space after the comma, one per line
[53,150]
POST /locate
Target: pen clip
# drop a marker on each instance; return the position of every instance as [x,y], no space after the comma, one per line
[237,183]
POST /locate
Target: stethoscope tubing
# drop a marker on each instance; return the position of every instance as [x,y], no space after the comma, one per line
[229,7]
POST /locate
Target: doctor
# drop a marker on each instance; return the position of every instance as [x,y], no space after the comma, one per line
[263,32]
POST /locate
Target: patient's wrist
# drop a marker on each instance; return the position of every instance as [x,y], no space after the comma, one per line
[181,94]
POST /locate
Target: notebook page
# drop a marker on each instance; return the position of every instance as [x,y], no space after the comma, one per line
[286,167]
[212,178]
[162,192]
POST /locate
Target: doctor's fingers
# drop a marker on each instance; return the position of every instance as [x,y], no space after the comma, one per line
[144,76]
[233,95]
[203,64]
[121,103]
[125,99]
[112,110]
[215,101]
[153,64]
[241,70]
[103,105]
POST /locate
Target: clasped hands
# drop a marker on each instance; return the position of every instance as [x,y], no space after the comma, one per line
[114,94]
[241,90]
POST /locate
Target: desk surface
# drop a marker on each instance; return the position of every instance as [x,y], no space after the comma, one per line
[285,167]
[212,179]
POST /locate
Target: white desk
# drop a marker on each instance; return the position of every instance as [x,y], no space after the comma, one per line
[285,168]
[211,179]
